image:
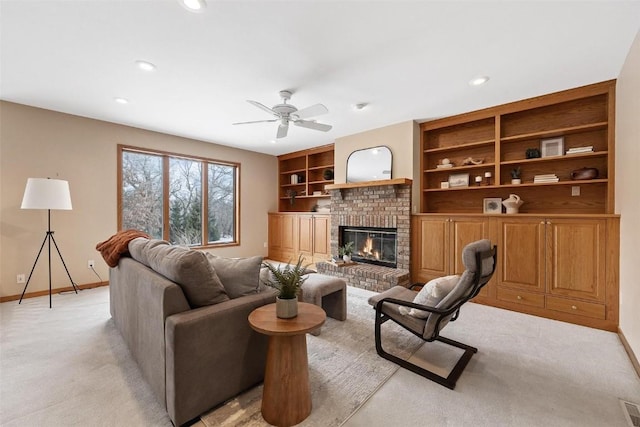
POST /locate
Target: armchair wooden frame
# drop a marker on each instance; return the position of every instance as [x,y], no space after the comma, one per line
[452,313]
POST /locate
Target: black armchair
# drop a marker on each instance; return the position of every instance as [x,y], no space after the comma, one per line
[479,259]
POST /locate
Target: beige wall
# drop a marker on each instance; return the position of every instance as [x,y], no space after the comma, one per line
[42,143]
[401,138]
[627,194]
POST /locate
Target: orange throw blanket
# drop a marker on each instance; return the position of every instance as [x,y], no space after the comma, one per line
[117,245]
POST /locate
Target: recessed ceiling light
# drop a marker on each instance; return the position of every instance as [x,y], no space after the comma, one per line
[145,65]
[273,141]
[194,5]
[121,100]
[479,81]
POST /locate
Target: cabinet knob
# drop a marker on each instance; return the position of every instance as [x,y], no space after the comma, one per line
[519,297]
[573,307]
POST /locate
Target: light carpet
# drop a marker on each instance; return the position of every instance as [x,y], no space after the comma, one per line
[529,371]
[344,370]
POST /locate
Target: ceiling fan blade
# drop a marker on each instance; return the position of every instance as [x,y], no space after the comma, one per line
[312,125]
[314,110]
[263,107]
[282,130]
[256,121]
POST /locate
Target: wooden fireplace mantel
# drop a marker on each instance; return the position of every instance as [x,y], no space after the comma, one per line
[347,185]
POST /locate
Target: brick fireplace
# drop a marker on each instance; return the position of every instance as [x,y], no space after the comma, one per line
[372,205]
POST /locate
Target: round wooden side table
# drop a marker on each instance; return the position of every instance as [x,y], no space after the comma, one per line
[286,398]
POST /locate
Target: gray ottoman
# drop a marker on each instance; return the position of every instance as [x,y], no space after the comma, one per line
[328,292]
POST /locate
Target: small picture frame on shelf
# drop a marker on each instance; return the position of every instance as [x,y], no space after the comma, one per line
[492,205]
[552,147]
[459,180]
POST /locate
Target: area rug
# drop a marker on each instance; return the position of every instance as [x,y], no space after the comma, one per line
[344,370]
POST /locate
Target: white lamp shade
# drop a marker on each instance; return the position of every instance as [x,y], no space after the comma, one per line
[45,193]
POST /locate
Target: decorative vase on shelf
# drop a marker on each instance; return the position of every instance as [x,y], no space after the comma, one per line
[513,203]
[286,308]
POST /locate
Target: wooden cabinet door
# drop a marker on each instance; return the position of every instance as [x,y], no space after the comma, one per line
[321,237]
[275,236]
[305,236]
[464,231]
[431,248]
[576,258]
[522,253]
[288,233]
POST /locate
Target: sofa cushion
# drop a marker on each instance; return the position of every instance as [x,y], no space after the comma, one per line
[189,269]
[430,295]
[139,248]
[239,276]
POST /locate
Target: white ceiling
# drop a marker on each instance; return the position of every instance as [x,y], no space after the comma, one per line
[409,60]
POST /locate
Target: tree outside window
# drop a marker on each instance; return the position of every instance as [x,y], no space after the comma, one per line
[199,199]
[142,195]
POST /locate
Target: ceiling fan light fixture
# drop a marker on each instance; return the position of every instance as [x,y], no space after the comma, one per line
[194,5]
[479,81]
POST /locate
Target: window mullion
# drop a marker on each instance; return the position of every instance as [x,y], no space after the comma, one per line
[165,198]
[205,203]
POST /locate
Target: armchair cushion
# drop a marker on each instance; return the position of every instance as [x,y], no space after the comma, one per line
[430,295]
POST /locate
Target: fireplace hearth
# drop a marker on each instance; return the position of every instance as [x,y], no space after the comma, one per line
[373,245]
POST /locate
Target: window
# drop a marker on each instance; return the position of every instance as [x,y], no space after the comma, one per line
[185,200]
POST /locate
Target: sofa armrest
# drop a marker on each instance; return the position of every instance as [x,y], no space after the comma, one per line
[212,354]
[140,301]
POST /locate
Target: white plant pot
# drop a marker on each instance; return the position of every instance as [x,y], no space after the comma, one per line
[286,308]
[516,181]
[346,258]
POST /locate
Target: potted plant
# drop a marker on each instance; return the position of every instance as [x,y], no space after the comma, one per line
[288,281]
[292,196]
[346,251]
[515,175]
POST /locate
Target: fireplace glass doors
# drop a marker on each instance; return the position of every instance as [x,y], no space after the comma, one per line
[371,245]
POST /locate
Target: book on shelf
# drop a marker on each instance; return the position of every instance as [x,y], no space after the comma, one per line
[575,150]
[548,177]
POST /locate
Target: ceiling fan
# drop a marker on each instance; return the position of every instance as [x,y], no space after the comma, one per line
[287,113]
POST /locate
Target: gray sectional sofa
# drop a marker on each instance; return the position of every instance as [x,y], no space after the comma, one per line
[192,342]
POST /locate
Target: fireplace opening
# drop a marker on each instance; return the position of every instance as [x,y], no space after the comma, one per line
[371,245]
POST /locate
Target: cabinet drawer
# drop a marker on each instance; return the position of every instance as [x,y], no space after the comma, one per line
[596,311]
[520,297]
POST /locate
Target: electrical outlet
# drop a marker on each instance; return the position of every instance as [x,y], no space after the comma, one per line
[20,278]
[91,263]
[265,244]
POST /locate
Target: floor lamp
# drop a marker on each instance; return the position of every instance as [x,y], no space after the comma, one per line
[45,193]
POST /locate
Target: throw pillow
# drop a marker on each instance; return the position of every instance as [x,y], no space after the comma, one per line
[191,270]
[239,276]
[431,295]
